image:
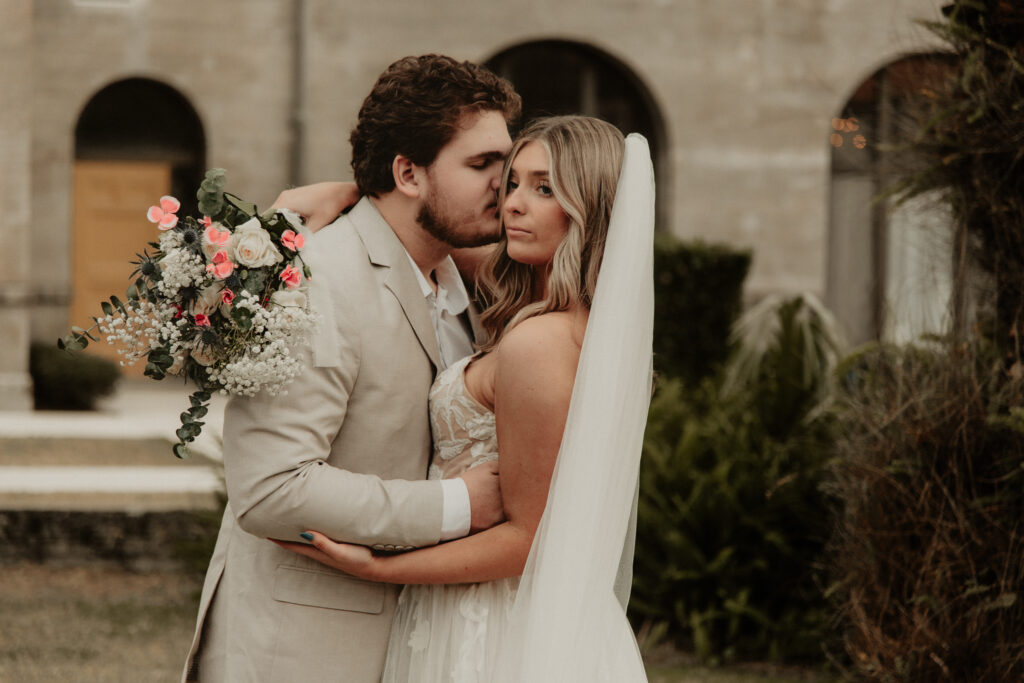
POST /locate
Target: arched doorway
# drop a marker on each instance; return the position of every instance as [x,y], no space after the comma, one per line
[889,267]
[561,77]
[135,140]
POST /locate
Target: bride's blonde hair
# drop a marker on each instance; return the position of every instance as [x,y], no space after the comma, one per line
[585,156]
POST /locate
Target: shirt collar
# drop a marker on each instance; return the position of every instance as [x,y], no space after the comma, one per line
[451,292]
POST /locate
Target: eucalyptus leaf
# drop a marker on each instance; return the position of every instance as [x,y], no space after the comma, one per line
[248,208]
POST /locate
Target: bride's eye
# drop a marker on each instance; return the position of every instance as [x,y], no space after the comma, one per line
[512,185]
[545,190]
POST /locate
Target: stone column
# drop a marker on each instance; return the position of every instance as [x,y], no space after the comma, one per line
[15,202]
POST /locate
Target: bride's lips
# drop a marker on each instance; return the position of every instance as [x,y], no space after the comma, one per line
[512,231]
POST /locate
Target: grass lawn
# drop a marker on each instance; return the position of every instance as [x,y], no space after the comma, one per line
[98,623]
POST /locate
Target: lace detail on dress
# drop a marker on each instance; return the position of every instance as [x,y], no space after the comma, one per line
[463,429]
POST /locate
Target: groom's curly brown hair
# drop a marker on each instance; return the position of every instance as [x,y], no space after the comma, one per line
[413,110]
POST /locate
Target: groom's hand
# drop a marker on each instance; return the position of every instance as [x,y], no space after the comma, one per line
[485,507]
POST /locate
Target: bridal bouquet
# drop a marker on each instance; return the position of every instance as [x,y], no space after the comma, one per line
[219,301]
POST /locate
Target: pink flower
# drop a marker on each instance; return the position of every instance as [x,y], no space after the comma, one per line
[217,236]
[227,296]
[202,320]
[207,221]
[221,266]
[292,241]
[163,215]
[291,276]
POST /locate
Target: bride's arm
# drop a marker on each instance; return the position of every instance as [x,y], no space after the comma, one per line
[536,365]
[320,203]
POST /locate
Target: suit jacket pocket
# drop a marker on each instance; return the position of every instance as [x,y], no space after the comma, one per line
[327,589]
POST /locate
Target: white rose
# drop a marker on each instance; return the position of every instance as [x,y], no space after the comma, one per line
[208,300]
[253,246]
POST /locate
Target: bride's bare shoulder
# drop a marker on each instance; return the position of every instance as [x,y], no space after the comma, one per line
[548,343]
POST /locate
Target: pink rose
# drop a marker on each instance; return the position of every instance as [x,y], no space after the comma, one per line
[215,238]
[221,266]
[202,320]
[227,297]
[163,215]
[292,276]
[291,240]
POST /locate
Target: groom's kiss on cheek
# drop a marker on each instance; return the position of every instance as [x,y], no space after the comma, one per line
[460,186]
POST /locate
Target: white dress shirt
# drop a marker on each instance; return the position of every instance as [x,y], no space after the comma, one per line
[454,342]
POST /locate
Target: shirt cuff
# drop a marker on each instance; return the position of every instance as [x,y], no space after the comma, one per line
[455,513]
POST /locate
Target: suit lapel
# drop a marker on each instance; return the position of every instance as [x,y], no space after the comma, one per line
[384,249]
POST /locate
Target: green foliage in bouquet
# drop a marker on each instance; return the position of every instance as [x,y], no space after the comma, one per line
[60,382]
[217,301]
[698,291]
[732,517]
[929,556]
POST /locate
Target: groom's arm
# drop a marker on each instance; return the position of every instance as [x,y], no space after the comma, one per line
[280,483]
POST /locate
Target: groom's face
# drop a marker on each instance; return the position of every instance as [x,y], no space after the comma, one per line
[460,193]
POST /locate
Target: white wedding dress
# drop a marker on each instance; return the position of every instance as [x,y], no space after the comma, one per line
[450,633]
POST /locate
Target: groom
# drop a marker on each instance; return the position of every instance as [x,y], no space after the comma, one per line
[346,449]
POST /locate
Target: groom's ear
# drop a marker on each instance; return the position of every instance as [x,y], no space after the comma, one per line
[407,176]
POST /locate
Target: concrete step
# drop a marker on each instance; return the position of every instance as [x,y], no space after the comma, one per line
[104,488]
[115,459]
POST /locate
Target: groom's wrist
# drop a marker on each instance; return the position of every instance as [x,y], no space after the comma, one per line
[455,511]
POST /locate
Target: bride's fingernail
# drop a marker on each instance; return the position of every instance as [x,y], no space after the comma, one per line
[306,535]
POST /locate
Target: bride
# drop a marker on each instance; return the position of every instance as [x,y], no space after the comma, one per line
[561,392]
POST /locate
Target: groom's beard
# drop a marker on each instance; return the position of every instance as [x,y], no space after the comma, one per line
[438,221]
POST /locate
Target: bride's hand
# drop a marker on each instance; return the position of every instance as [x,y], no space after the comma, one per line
[357,560]
[320,203]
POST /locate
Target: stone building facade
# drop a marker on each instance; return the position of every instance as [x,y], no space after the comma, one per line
[737,97]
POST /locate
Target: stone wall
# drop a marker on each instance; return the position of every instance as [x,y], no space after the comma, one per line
[746,90]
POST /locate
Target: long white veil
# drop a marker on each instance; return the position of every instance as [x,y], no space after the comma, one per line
[566,623]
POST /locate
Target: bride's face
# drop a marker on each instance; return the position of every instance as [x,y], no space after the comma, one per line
[535,223]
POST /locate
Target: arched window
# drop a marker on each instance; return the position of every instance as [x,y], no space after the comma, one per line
[560,77]
[889,267]
[139,119]
[135,140]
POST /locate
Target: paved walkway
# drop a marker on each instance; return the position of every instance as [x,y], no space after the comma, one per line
[140,412]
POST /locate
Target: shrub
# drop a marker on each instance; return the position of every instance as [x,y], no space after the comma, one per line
[698,292]
[969,134]
[732,518]
[929,557]
[61,381]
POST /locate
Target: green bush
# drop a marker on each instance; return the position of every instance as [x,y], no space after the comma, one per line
[732,517]
[698,291]
[928,555]
[62,381]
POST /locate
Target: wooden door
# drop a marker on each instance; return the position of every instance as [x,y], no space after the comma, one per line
[110,228]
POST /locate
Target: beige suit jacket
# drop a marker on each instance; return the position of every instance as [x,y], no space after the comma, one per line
[345,452]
